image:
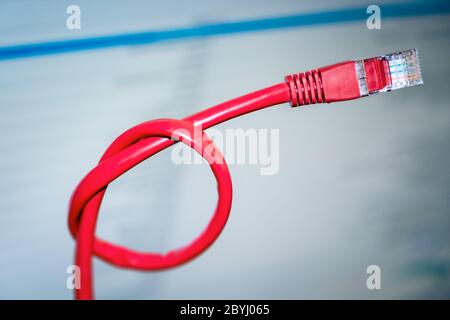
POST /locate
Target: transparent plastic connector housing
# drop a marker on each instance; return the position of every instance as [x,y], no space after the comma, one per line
[404,68]
[361,75]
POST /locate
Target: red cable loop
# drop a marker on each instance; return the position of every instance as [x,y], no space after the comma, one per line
[337,82]
[332,83]
[134,146]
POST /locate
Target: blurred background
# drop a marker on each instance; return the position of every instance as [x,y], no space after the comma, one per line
[363,182]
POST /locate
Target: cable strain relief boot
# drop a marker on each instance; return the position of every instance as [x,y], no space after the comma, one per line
[305,88]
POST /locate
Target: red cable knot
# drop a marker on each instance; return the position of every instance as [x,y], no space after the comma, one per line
[305,88]
[134,146]
[128,150]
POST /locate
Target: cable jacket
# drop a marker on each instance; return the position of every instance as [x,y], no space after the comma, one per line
[134,146]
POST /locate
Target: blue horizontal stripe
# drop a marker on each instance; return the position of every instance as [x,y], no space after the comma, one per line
[409,9]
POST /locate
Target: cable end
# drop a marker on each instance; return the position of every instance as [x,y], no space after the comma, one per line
[404,67]
[355,79]
[388,72]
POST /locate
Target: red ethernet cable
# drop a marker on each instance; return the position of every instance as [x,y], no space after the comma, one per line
[338,82]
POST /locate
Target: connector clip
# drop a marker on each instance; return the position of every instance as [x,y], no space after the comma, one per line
[404,67]
[389,72]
